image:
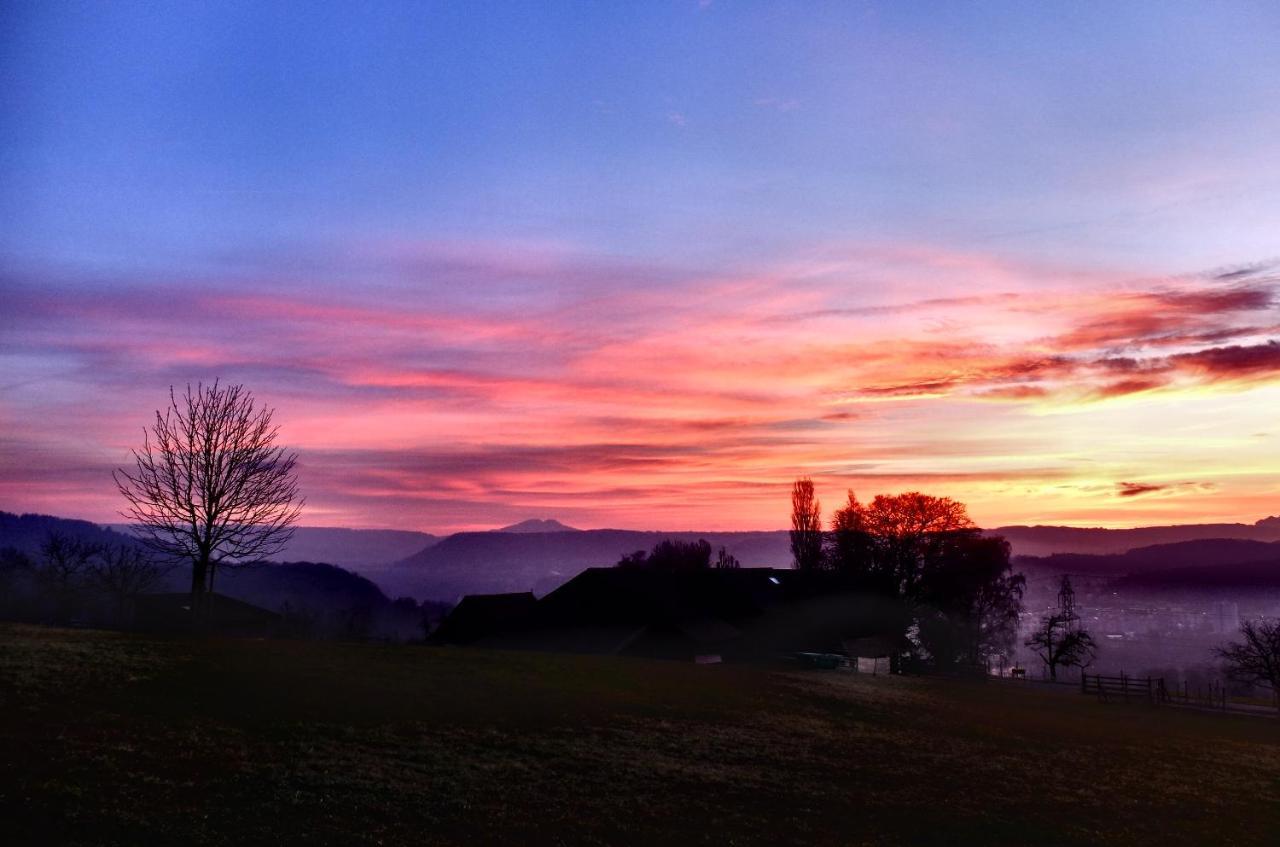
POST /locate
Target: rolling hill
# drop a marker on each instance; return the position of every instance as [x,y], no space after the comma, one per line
[1158,558]
[1254,574]
[526,556]
[1047,540]
[485,562]
[345,547]
[326,594]
[352,548]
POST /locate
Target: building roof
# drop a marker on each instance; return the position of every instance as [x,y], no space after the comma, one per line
[479,615]
[740,612]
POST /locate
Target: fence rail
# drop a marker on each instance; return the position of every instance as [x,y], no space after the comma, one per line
[1211,696]
[1153,690]
[1128,688]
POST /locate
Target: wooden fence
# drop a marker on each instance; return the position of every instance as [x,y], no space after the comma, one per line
[1211,696]
[1123,687]
[1152,690]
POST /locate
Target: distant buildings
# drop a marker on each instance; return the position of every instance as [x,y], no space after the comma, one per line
[730,615]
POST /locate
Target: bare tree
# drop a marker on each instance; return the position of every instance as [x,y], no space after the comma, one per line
[806,526]
[124,571]
[210,486]
[65,565]
[726,560]
[1257,658]
[1060,641]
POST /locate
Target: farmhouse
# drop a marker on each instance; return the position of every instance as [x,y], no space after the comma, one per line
[485,615]
[705,615]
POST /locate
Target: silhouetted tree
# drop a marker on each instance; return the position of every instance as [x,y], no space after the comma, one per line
[671,555]
[14,561]
[927,553]
[726,560]
[64,568]
[849,547]
[908,533]
[356,621]
[17,570]
[681,555]
[970,600]
[806,526]
[1256,659]
[1060,641]
[210,486]
[890,543]
[123,571]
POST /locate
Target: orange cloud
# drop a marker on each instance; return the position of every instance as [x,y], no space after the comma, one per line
[677,398]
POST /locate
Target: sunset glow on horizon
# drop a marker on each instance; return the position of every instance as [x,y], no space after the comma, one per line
[643,269]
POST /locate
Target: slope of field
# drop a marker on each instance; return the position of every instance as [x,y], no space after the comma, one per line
[118,739]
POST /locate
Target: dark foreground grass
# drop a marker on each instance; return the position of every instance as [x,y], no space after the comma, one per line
[120,739]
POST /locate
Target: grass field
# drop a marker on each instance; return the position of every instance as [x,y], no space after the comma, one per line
[121,739]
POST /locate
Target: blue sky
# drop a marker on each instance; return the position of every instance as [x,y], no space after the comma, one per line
[173,132]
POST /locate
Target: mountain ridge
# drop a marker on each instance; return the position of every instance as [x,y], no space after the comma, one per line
[443,569]
[348,548]
[537,525]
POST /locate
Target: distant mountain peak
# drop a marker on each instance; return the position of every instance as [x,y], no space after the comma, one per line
[537,525]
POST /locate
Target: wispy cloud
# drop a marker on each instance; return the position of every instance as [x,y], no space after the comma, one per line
[1139,489]
[680,397]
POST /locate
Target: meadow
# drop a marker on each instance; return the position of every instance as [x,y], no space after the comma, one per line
[109,738]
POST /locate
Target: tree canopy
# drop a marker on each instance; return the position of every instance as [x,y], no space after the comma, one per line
[209,485]
[1255,658]
[926,552]
[672,555]
[806,526]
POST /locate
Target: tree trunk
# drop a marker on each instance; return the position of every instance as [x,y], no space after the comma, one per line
[199,571]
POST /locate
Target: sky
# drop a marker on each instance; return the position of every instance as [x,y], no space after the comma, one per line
[642,265]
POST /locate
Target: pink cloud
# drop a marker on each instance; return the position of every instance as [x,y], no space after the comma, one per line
[690,396]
